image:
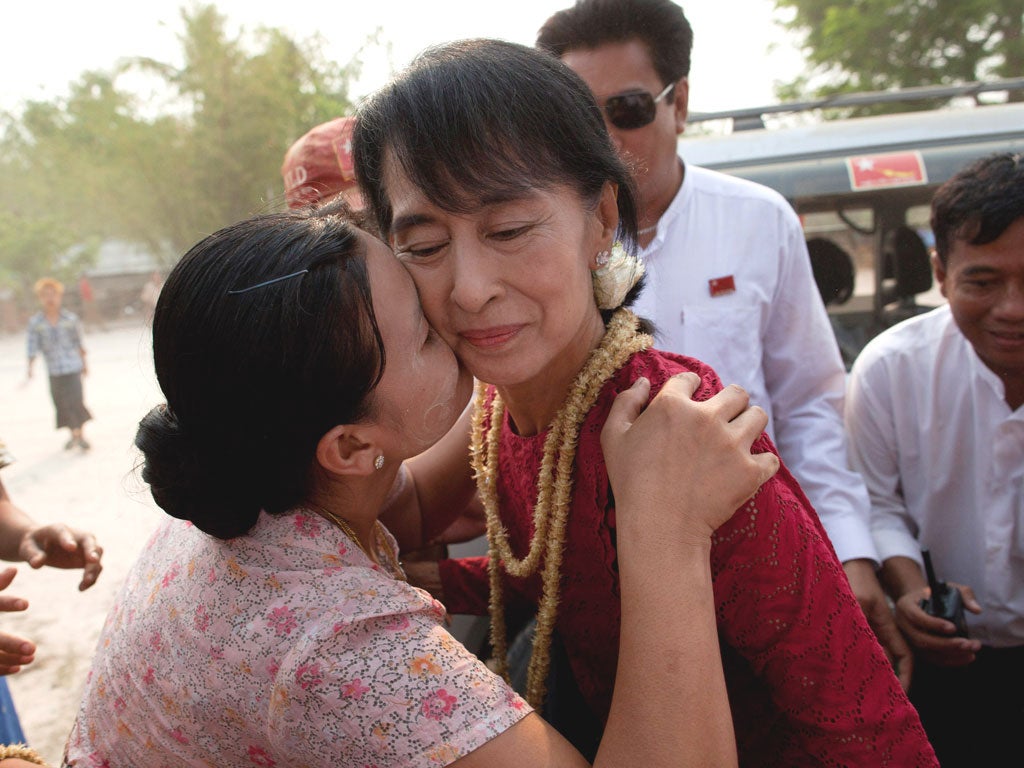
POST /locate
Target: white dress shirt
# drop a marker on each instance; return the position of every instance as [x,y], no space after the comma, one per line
[761,324]
[943,458]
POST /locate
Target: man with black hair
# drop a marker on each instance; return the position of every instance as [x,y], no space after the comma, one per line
[728,279]
[935,414]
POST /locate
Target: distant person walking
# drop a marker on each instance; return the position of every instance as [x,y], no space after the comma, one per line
[57,334]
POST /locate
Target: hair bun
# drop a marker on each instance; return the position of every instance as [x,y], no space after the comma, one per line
[189,485]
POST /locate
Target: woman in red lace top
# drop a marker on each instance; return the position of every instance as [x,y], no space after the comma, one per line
[488,167]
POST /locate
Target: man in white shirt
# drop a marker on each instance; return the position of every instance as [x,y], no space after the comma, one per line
[728,278]
[935,415]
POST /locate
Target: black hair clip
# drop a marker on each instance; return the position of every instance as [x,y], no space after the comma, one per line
[267,282]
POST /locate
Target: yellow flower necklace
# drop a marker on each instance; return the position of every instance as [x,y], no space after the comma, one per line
[554,492]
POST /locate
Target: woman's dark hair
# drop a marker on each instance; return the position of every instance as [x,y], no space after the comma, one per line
[658,24]
[482,120]
[979,203]
[264,338]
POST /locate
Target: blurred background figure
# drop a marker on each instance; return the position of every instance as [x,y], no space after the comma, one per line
[57,334]
[90,312]
[318,167]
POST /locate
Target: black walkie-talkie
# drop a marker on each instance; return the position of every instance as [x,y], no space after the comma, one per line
[945,602]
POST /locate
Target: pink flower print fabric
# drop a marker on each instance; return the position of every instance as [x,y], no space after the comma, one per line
[283,647]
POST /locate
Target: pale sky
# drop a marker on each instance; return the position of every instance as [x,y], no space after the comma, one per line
[46,45]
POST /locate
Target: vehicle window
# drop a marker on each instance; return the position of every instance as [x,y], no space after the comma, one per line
[919,219]
[853,230]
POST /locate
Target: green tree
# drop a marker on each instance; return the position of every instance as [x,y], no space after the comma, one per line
[105,163]
[79,157]
[875,45]
[33,234]
[243,112]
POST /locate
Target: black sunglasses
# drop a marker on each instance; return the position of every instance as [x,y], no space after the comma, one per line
[634,109]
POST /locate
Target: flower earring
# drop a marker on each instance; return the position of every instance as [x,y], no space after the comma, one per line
[378,463]
[616,274]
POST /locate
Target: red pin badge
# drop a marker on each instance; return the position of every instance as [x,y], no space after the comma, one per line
[722,286]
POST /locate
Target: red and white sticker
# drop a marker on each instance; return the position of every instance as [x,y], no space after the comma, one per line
[898,169]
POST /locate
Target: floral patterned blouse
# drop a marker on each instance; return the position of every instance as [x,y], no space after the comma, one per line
[283,647]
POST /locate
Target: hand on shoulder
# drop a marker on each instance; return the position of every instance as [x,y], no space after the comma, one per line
[679,455]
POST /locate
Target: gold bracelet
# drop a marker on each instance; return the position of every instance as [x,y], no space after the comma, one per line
[22,752]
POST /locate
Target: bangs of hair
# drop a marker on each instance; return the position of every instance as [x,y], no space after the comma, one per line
[486,168]
[482,121]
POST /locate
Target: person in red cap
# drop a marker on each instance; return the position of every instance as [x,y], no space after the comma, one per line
[318,167]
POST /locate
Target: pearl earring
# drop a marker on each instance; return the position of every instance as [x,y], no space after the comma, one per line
[378,463]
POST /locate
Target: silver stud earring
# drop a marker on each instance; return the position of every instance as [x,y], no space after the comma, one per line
[602,258]
[378,463]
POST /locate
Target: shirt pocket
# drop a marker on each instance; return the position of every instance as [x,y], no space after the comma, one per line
[727,337]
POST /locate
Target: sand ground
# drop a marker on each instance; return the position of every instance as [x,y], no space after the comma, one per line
[97,491]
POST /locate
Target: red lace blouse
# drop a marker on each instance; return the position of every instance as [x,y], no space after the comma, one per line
[808,682]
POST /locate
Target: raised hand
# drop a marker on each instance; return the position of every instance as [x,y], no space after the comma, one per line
[60,546]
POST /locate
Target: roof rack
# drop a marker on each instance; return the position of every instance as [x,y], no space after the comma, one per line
[753,117]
